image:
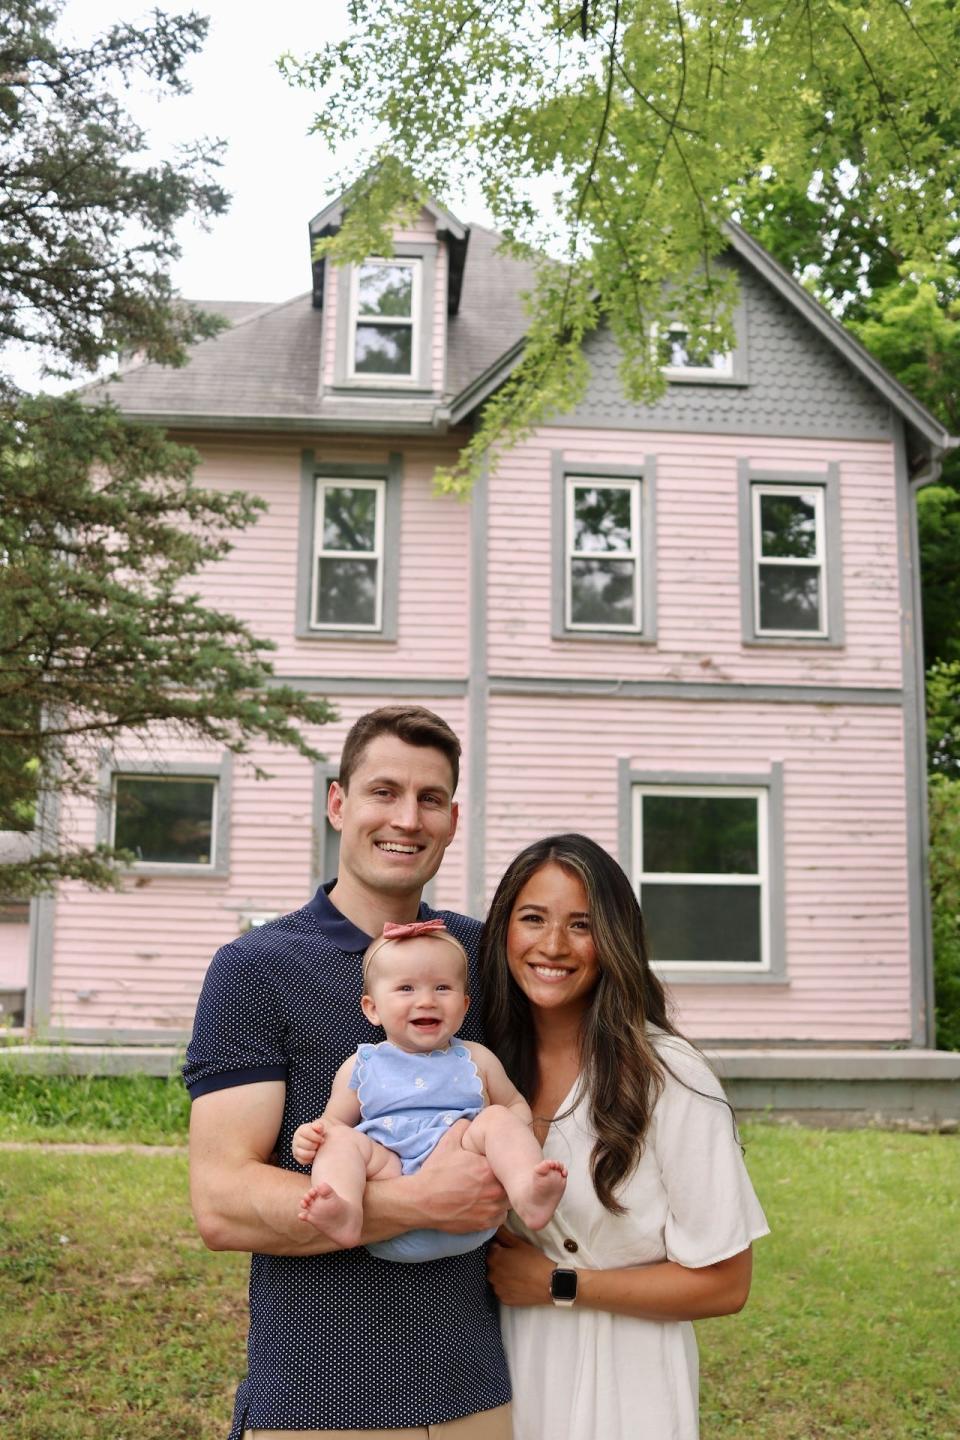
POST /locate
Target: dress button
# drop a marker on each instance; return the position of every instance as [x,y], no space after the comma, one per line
[571,1245]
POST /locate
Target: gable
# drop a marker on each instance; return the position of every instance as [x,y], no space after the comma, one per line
[794,381]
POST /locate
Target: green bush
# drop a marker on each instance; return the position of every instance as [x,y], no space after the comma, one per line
[945,898]
[139,1109]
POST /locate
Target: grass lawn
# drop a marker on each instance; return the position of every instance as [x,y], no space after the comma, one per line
[853,1324]
[129,1330]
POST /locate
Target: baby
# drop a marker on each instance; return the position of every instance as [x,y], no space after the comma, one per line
[391,1103]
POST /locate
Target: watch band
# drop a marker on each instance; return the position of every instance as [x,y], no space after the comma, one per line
[563,1287]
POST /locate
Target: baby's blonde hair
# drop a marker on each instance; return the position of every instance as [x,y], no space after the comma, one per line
[377,944]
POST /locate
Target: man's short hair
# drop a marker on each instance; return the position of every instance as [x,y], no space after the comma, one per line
[410,723]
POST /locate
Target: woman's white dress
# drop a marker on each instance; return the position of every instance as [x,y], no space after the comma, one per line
[583,1374]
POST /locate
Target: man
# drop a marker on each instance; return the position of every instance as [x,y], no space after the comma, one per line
[341,1341]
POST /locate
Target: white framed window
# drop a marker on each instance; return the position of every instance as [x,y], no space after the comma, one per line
[602,563]
[679,359]
[384,320]
[166,820]
[702,872]
[789,560]
[347,581]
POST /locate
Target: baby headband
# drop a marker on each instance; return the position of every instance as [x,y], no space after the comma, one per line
[392,931]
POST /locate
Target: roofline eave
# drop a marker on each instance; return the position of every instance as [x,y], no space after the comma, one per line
[291,424]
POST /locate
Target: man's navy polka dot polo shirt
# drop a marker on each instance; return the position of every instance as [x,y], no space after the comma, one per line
[341,1341]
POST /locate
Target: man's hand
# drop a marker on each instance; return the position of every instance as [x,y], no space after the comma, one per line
[460,1191]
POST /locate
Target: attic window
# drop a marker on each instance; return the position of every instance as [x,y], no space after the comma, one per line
[679,358]
[386,304]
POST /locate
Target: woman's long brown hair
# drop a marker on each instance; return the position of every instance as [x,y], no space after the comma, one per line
[619,1067]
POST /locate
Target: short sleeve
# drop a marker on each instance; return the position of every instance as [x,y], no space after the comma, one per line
[238,1030]
[712,1209]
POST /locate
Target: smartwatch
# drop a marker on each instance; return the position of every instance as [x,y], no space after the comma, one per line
[563,1287]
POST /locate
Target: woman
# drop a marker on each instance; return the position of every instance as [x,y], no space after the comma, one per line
[655,1227]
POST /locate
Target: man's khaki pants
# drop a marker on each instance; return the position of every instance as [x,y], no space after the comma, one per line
[488,1425]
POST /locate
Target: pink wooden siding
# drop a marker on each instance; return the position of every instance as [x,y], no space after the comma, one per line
[336,278]
[438,346]
[258,581]
[14,955]
[698,562]
[135,960]
[422,230]
[553,767]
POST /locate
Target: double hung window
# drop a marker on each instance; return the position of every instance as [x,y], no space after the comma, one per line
[701,870]
[603,554]
[384,320]
[791,556]
[347,591]
[789,579]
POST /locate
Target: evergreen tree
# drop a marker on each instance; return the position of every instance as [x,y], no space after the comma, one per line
[102,527]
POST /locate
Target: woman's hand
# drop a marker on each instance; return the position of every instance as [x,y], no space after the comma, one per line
[518,1271]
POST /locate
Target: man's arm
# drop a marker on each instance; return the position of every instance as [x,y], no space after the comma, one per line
[243,1202]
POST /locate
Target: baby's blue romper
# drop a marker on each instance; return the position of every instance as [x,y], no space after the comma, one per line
[407,1102]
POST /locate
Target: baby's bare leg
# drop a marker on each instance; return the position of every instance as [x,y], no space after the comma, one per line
[345,1161]
[533,1184]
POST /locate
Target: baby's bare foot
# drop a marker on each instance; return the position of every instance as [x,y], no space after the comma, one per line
[332,1215]
[540,1196]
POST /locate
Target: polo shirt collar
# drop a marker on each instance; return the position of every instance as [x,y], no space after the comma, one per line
[340,931]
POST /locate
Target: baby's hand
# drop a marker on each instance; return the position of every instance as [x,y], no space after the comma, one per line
[307,1140]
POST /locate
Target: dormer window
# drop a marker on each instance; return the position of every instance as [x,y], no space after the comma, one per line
[384,319]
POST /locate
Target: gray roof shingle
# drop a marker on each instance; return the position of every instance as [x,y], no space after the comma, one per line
[266,367]
[267,364]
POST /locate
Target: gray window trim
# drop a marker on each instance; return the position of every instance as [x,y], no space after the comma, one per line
[646,472]
[422,381]
[310,472]
[739,374]
[322,859]
[772,782]
[220,770]
[828,479]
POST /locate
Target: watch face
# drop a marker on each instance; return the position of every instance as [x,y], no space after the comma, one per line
[563,1285]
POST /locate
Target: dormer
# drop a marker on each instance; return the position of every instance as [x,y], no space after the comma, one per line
[384,332]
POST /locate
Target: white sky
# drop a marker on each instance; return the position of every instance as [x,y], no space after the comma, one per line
[278,175]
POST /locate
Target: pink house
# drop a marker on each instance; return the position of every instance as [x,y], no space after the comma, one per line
[690,630]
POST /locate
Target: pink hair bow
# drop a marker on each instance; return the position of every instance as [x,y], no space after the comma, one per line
[408,932]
